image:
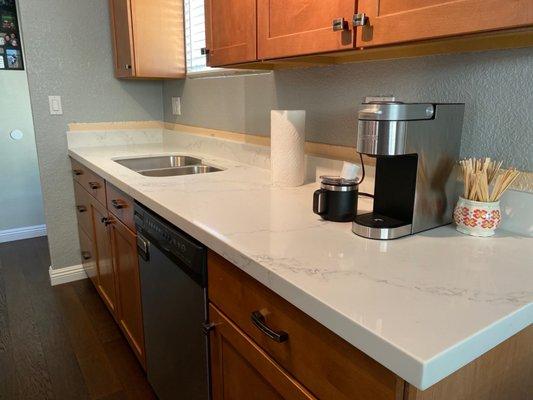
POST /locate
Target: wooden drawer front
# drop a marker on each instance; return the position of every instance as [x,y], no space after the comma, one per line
[91,182]
[83,209]
[88,256]
[328,366]
[241,370]
[121,205]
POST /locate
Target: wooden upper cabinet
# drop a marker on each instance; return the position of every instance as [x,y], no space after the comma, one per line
[393,21]
[122,37]
[148,38]
[299,27]
[230,31]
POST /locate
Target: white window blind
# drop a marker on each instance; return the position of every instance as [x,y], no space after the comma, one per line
[195,35]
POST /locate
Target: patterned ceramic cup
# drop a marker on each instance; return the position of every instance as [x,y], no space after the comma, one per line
[477,218]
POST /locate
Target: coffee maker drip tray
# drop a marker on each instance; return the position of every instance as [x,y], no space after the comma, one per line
[380,227]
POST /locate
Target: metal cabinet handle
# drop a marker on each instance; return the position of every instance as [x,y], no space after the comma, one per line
[81,209]
[208,327]
[205,51]
[340,24]
[360,19]
[127,66]
[107,221]
[86,255]
[77,172]
[94,185]
[119,205]
[259,321]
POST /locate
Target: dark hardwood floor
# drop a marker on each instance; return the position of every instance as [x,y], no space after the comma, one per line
[60,342]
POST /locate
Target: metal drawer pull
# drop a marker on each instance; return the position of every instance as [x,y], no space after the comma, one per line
[77,172]
[94,185]
[118,204]
[259,321]
[86,255]
[81,209]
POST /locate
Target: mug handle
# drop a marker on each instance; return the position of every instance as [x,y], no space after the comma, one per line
[319,202]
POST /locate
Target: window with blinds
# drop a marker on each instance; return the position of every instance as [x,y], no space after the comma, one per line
[195,35]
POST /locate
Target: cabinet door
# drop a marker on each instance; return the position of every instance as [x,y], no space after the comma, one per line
[88,256]
[128,286]
[241,370]
[158,37]
[230,31]
[102,241]
[121,27]
[291,28]
[393,21]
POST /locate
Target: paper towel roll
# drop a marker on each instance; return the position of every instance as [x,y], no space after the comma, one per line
[287,154]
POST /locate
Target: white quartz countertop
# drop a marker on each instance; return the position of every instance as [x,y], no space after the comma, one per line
[423,306]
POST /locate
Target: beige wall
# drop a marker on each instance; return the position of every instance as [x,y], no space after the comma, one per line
[21,203]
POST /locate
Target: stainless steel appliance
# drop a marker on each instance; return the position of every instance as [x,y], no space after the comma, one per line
[173,272]
[416,146]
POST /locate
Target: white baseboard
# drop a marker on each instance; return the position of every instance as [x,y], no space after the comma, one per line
[26,232]
[67,274]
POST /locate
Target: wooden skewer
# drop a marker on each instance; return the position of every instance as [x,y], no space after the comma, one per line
[480,174]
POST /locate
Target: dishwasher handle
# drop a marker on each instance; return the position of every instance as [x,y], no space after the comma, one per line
[143,247]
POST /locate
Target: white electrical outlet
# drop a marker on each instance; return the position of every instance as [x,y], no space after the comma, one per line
[176,105]
[55,105]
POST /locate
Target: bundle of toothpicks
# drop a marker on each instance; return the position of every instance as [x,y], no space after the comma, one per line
[480,174]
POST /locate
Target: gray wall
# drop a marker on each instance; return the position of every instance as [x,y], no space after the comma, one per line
[21,203]
[68,53]
[496,86]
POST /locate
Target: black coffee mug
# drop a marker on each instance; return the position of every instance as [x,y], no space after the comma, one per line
[336,202]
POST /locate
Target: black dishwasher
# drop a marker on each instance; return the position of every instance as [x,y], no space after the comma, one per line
[173,272]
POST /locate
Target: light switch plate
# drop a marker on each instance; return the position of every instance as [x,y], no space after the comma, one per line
[55,105]
[176,105]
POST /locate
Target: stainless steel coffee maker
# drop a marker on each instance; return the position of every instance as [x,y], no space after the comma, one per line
[416,147]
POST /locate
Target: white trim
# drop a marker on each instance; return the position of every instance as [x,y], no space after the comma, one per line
[26,232]
[66,275]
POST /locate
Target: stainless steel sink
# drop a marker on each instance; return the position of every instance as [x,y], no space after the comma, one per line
[160,166]
[144,163]
[189,170]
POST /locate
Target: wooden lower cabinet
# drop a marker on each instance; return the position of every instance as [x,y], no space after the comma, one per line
[108,243]
[242,370]
[106,271]
[128,286]
[330,367]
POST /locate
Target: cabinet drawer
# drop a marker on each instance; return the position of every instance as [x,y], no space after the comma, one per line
[83,208]
[121,205]
[327,365]
[91,182]
[242,370]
